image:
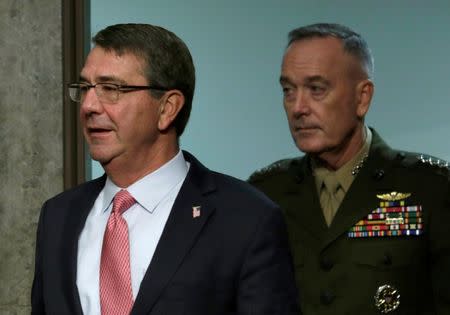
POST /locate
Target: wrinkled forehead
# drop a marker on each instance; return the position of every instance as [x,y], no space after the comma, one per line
[317,56]
[101,63]
[315,49]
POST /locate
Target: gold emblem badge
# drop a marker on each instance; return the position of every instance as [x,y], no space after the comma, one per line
[387,299]
[394,196]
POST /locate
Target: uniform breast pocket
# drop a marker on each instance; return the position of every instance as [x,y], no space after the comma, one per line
[400,264]
[397,262]
[387,253]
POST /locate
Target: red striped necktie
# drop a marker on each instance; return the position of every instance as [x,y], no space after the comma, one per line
[116,296]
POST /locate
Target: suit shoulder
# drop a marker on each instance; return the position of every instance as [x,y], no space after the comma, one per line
[272,170]
[79,190]
[239,188]
[243,208]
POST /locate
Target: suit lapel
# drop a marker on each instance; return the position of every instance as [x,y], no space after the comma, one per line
[361,198]
[78,211]
[178,237]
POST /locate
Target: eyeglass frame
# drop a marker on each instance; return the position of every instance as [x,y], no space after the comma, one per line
[119,89]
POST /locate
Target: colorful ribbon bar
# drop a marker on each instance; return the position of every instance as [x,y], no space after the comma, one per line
[397,209]
[385,227]
[386,221]
[385,233]
[378,216]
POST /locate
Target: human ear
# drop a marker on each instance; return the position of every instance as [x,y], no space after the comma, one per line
[364,90]
[171,104]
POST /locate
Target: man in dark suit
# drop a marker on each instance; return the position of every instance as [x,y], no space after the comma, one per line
[368,225]
[159,233]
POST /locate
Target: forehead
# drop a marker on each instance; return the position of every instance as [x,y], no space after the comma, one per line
[317,56]
[102,63]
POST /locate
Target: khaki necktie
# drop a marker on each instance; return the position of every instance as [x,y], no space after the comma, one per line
[328,197]
[116,296]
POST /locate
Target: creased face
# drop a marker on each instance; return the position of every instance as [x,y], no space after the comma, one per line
[321,88]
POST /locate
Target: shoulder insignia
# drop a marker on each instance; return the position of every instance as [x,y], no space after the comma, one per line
[433,161]
[270,169]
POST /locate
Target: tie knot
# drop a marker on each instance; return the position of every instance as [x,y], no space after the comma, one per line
[331,183]
[122,201]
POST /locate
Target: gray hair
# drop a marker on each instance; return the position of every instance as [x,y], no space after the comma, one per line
[353,43]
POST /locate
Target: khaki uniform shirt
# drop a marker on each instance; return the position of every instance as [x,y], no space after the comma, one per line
[333,185]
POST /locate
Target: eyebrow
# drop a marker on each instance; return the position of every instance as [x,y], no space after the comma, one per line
[104,78]
[311,79]
[284,80]
[316,78]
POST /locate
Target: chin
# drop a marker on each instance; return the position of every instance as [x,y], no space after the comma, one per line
[100,156]
[101,159]
[309,147]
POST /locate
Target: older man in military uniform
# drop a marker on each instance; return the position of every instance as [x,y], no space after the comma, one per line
[368,224]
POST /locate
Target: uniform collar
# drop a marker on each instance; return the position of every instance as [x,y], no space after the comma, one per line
[344,173]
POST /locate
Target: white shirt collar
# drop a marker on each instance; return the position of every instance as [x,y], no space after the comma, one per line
[152,188]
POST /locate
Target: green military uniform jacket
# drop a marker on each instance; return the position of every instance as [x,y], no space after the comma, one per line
[340,275]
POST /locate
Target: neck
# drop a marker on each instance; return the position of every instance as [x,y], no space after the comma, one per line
[129,170]
[337,157]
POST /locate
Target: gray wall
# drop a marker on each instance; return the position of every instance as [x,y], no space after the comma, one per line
[30,136]
[238,123]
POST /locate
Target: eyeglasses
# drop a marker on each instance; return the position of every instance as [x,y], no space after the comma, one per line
[106,92]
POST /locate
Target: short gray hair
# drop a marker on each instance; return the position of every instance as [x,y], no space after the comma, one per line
[353,42]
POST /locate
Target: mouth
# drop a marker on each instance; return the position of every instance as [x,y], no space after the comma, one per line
[98,131]
[306,128]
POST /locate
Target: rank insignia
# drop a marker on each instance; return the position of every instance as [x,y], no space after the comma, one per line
[426,159]
[394,217]
[387,299]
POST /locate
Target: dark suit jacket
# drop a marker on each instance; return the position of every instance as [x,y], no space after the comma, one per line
[232,259]
[340,275]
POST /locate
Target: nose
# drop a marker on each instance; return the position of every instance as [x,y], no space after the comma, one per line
[90,103]
[300,105]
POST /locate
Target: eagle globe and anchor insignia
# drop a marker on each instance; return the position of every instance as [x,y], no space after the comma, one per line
[387,299]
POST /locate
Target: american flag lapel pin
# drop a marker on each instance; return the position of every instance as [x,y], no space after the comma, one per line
[196,211]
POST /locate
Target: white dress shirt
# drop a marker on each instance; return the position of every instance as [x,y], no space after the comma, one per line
[155,195]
